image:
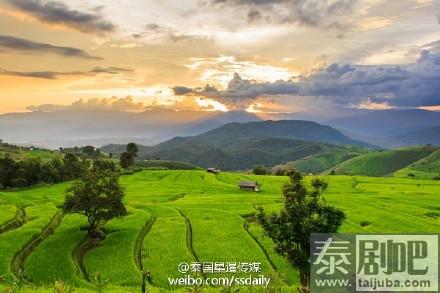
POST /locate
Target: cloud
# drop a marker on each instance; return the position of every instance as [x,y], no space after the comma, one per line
[126,104]
[219,69]
[313,13]
[56,74]
[110,70]
[411,85]
[154,32]
[181,90]
[9,43]
[53,12]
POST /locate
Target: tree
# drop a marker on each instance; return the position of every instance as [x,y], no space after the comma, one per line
[32,170]
[98,196]
[89,151]
[259,170]
[132,149]
[104,165]
[73,167]
[126,160]
[8,168]
[304,212]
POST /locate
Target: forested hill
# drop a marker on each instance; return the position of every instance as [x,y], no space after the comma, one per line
[238,146]
[290,129]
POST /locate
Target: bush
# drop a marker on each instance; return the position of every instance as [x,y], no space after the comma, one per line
[259,170]
[280,172]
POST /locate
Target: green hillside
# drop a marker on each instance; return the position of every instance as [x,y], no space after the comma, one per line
[293,129]
[21,153]
[185,216]
[169,165]
[382,163]
[321,162]
[240,146]
[426,168]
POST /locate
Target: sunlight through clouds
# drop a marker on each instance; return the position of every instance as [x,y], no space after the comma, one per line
[218,71]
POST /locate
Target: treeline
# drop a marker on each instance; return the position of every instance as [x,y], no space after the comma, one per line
[32,171]
[70,165]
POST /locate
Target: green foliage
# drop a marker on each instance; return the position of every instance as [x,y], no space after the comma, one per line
[98,196]
[132,149]
[128,157]
[73,166]
[304,212]
[89,151]
[126,160]
[32,171]
[100,165]
[260,170]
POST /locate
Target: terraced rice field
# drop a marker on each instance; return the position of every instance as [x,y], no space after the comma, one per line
[187,216]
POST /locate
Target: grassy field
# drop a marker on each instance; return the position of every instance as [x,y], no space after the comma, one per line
[188,216]
[321,162]
[21,153]
[383,163]
[426,168]
[166,165]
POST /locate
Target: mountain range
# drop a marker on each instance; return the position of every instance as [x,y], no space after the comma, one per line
[392,128]
[67,128]
[244,145]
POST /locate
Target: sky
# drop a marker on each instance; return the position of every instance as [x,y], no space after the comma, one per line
[205,55]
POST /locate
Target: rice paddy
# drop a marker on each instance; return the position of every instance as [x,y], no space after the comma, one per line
[188,217]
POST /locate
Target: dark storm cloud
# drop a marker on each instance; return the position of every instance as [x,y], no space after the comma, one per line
[57,74]
[13,44]
[326,13]
[182,90]
[412,85]
[54,12]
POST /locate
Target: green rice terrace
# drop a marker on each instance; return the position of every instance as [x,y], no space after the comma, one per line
[186,216]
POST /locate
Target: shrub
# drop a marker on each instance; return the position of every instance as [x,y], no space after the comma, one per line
[259,170]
